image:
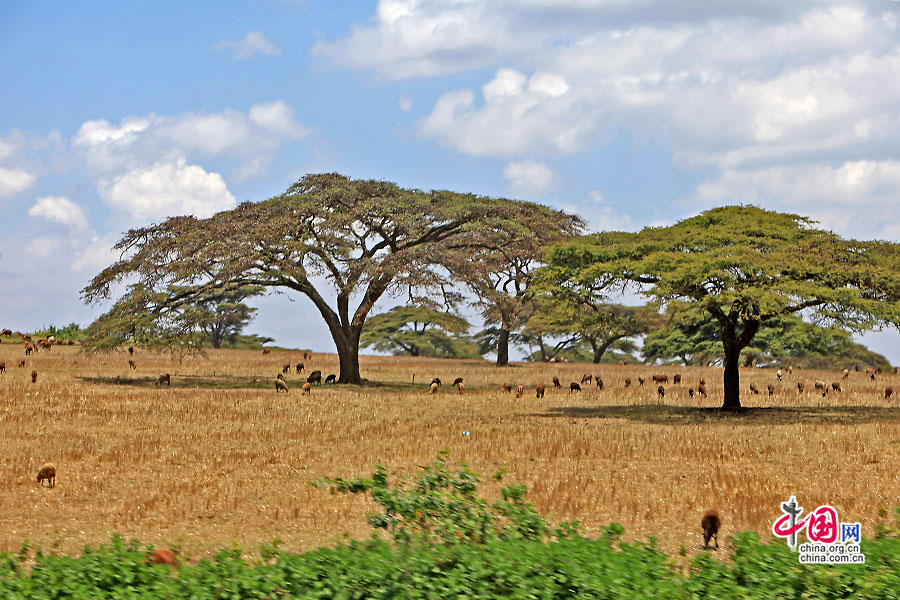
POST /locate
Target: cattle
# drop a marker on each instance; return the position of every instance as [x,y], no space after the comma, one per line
[433,388]
[627,381]
[307,389]
[661,392]
[888,392]
[306,355]
[131,365]
[280,376]
[457,381]
[771,389]
[574,387]
[2,367]
[641,381]
[701,389]
[507,387]
[539,390]
[702,381]
[26,338]
[314,377]
[22,363]
[300,368]
[711,522]
[520,389]
[461,388]
[131,350]
[280,386]
[28,349]
[799,387]
[836,386]
[162,557]
[556,382]
[331,378]
[34,377]
[436,380]
[165,378]
[660,379]
[691,392]
[599,382]
[676,379]
[778,374]
[845,373]
[753,388]
[586,378]
[48,472]
[286,369]
[820,385]
[6,332]
[267,351]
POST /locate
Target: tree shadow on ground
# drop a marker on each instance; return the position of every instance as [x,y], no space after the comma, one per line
[661,414]
[227,382]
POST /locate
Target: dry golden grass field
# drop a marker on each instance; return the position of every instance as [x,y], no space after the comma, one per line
[220,457]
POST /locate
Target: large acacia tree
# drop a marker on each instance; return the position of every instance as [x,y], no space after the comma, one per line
[745,266]
[341,242]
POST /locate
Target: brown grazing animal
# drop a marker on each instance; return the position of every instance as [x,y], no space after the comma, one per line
[771,389]
[165,378]
[702,381]
[661,392]
[131,350]
[286,369]
[753,388]
[433,389]
[307,389]
[280,385]
[627,381]
[48,472]
[556,382]
[846,374]
[820,385]
[585,378]
[778,374]
[711,522]
[457,381]
[676,379]
[28,349]
[2,367]
[691,392]
[299,368]
[34,377]
[162,557]
[267,351]
[132,365]
[6,332]
[507,387]
[599,382]
[660,379]
[520,389]
[836,386]
[799,387]
[461,387]
[888,392]
[331,378]
[574,387]
[641,380]
[539,390]
[280,376]
[22,363]
[701,389]
[314,377]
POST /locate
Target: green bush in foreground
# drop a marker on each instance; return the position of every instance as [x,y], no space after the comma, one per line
[449,543]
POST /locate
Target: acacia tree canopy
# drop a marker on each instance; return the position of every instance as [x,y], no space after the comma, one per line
[327,236]
[419,331]
[745,266]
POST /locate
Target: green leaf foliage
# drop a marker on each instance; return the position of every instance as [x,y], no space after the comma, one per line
[419,331]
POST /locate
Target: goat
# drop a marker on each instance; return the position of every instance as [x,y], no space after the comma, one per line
[2,367]
[34,377]
[799,387]
[280,376]
[702,381]
[507,387]
[433,389]
[753,388]
[331,378]
[436,380]
[307,389]
[22,363]
[701,389]
[520,389]
[539,390]
[627,381]
[132,365]
[691,392]
[48,472]
[457,381]
[888,392]
[771,389]
[676,379]
[131,350]
[660,379]
[641,381]
[314,377]
[778,374]
[574,387]
[299,368]
[6,332]
[836,386]
[28,349]
[661,392]
[845,374]
[280,385]
[286,369]
[461,387]
[585,378]
[165,378]
[599,382]
[711,522]
[820,385]
[161,557]
[556,382]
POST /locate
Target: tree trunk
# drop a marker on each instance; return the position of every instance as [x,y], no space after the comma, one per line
[503,348]
[348,355]
[600,349]
[732,377]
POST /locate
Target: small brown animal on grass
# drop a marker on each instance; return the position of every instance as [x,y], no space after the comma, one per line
[771,389]
[165,378]
[34,377]
[457,381]
[799,387]
[586,378]
[846,374]
[2,367]
[331,378]
[710,523]
[6,332]
[280,386]
[461,387]
[661,392]
[627,381]
[641,380]
[888,392]
[556,382]
[520,389]
[131,350]
[132,365]
[299,368]
[307,389]
[22,363]
[660,379]
[753,388]
[507,387]
[48,472]
[701,389]
[676,379]
[539,390]
[267,351]
[286,369]
[433,389]
[574,387]
[599,382]
[280,376]
[836,386]
[162,557]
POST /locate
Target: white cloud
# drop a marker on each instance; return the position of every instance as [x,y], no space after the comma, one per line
[855,198]
[277,118]
[42,247]
[530,178]
[97,254]
[405,104]
[603,216]
[254,42]
[59,209]
[15,181]
[166,189]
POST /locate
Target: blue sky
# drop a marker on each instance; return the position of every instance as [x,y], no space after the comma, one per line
[628,112]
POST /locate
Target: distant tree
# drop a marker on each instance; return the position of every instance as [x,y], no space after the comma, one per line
[745,266]
[328,234]
[419,331]
[222,317]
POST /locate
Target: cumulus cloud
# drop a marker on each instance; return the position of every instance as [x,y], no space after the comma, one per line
[166,189]
[59,209]
[41,247]
[97,254]
[529,178]
[253,43]
[15,181]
